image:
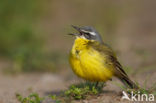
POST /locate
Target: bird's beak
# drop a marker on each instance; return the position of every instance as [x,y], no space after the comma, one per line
[78,29]
[74,34]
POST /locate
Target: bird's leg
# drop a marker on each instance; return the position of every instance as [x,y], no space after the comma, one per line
[103,84]
[96,85]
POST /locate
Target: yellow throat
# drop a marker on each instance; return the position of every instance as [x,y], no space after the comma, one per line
[88,63]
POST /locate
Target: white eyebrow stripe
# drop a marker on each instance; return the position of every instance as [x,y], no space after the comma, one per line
[92,33]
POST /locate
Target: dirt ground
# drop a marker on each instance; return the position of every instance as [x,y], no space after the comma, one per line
[45,84]
[134,40]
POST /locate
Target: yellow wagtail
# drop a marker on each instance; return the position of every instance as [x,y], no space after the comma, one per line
[93,60]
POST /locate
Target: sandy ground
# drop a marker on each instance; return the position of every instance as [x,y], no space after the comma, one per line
[135,32]
[45,84]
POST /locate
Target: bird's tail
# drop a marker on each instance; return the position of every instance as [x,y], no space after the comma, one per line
[128,83]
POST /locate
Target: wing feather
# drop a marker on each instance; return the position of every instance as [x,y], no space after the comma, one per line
[104,49]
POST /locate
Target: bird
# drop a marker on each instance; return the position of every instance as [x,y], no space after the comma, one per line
[93,60]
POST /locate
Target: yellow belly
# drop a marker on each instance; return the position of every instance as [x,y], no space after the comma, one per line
[90,65]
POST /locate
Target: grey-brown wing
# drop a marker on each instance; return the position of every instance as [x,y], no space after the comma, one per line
[106,50]
[111,59]
[118,66]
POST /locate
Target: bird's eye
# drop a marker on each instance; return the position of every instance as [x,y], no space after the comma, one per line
[80,33]
[87,35]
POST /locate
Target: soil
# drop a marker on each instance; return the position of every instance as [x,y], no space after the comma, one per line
[45,84]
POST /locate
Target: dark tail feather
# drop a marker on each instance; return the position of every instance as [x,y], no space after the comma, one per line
[128,83]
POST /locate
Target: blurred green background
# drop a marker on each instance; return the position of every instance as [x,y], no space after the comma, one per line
[33,32]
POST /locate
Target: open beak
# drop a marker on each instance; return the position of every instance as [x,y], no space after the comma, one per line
[78,29]
[74,34]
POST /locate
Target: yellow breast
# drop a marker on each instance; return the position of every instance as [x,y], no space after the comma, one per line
[88,63]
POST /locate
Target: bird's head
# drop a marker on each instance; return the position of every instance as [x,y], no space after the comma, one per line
[87,32]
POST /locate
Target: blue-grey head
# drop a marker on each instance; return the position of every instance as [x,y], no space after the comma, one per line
[87,32]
